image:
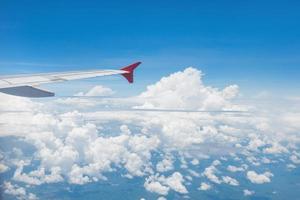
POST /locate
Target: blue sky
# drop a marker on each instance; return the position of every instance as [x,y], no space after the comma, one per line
[253,44]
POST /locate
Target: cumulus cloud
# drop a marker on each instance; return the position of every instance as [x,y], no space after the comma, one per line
[276,148]
[155,186]
[259,178]
[210,173]
[230,181]
[132,152]
[82,156]
[253,160]
[18,192]
[232,168]
[291,166]
[162,184]
[255,142]
[186,90]
[98,90]
[165,165]
[216,163]
[194,173]
[248,192]
[205,186]
[125,130]
[295,159]
[175,182]
[195,161]
[37,177]
[3,168]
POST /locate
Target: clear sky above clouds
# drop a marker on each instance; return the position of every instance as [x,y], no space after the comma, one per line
[255,44]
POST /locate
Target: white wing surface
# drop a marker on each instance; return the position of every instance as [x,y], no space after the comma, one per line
[25,85]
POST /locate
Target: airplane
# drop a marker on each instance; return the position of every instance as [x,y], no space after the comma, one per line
[26,85]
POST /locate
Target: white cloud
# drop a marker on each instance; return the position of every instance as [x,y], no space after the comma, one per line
[291,166]
[230,91]
[38,177]
[83,155]
[125,130]
[255,143]
[230,181]
[232,168]
[216,163]
[248,192]
[77,175]
[165,165]
[155,186]
[13,103]
[188,177]
[291,120]
[193,173]
[253,160]
[195,161]
[81,103]
[259,178]
[162,184]
[18,192]
[3,168]
[266,160]
[98,90]
[175,182]
[276,148]
[295,159]
[186,90]
[210,173]
[205,186]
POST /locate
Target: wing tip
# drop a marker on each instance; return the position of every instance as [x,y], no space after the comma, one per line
[130,70]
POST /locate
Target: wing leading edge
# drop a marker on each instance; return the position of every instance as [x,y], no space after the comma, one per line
[25,85]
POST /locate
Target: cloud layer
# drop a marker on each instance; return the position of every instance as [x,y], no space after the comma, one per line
[78,143]
[98,90]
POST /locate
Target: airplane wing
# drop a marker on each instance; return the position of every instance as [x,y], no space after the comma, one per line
[26,85]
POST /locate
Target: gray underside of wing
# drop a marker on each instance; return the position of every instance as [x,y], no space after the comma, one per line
[26,91]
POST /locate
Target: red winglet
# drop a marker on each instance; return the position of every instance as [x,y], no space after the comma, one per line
[130,69]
